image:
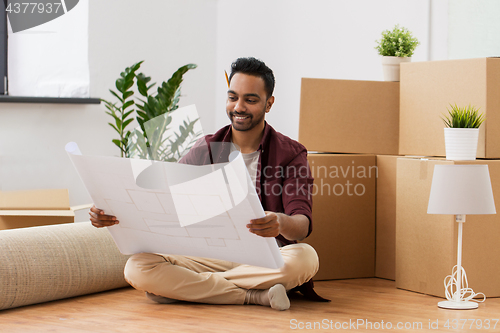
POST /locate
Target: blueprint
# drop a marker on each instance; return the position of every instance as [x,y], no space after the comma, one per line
[174,208]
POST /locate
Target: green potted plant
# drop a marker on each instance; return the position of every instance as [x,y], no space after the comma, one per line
[395,46]
[462,132]
[153,114]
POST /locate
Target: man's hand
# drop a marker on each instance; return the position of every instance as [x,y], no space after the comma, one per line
[99,219]
[267,226]
[293,227]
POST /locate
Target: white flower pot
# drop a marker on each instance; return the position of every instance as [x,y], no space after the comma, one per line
[390,67]
[461,143]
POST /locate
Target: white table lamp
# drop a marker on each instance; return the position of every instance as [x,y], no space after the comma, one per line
[460,190]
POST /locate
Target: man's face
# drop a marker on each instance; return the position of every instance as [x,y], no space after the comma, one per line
[246,102]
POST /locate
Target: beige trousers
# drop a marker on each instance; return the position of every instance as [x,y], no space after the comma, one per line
[217,281]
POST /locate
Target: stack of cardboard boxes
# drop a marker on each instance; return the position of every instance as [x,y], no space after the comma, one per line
[394,123]
[21,209]
[348,123]
[426,248]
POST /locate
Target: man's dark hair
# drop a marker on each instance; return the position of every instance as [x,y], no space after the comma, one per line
[255,67]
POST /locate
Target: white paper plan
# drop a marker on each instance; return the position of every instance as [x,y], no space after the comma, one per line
[175,208]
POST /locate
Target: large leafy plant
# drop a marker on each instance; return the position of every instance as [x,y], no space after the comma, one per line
[398,42]
[122,110]
[153,115]
[463,117]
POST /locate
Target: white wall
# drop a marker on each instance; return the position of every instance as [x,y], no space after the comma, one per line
[316,38]
[165,33]
[474,28]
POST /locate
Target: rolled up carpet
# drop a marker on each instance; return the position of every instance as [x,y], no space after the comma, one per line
[46,263]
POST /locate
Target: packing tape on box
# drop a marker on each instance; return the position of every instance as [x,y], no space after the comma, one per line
[423,169]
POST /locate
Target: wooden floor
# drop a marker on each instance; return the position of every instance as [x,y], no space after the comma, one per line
[357,305]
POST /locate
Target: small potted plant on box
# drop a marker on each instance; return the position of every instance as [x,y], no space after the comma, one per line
[395,46]
[462,132]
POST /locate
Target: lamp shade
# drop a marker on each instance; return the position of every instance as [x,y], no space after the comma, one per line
[461,189]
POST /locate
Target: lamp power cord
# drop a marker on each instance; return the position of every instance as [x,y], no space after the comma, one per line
[465,293]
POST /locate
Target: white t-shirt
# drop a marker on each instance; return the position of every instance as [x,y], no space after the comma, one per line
[251,162]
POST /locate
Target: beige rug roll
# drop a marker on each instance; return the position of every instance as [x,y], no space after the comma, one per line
[41,264]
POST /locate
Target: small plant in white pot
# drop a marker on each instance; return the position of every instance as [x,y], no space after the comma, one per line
[462,132]
[395,46]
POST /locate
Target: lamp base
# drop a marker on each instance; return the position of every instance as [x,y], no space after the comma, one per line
[461,305]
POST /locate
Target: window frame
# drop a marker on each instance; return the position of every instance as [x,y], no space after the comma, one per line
[3,51]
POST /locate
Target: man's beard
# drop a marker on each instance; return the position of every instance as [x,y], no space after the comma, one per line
[250,123]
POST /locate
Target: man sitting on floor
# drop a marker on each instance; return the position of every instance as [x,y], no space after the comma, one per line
[279,169]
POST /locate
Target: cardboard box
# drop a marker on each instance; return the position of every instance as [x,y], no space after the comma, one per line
[385,252]
[426,244]
[345,116]
[343,215]
[20,209]
[428,89]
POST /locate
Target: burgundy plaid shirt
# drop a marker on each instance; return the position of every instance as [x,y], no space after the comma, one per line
[284,180]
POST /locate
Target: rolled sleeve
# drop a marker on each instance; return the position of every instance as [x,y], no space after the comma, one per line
[297,188]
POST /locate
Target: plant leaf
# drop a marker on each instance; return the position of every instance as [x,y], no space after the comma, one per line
[127,104]
[127,122]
